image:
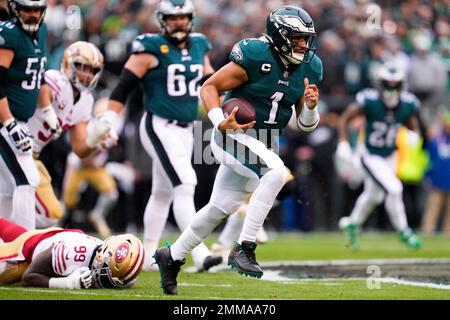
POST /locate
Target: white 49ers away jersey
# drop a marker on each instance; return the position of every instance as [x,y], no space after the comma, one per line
[71,250]
[68,112]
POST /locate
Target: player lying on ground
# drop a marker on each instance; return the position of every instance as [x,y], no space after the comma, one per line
[67,258]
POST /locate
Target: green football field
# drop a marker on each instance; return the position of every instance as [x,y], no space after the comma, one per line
[298,266]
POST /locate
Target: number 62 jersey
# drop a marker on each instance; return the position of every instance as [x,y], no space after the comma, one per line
[26,69]
[171,88]
[68,111]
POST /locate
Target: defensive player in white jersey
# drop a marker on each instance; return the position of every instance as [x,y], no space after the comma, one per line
[66,103]
[67,258]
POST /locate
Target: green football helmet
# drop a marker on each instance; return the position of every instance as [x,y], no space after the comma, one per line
[286,23]
[14,7]
[168,8]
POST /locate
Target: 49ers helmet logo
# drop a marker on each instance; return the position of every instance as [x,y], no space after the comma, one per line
[121,252]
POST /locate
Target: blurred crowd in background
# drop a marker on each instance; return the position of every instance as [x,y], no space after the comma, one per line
[354,37]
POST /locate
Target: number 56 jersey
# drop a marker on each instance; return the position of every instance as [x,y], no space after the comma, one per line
[71,250]
[25,72]
[68,111]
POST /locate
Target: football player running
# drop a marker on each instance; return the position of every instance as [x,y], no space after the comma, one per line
[22,64]
[386,109]
[67,258]
[66,103]
[170,67]
[274,73]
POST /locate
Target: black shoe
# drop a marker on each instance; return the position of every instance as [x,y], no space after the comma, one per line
[242,258]
[211,261]
[168,269]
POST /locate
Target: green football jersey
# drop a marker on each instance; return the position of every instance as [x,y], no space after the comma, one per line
[382,123]
[171,89]
[272,88]
[26,70]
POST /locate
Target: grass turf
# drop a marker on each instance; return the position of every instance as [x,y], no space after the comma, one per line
[229,285]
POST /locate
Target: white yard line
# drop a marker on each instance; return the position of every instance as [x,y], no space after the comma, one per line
[344,262]
[347,262]
[416,283]
[275,276]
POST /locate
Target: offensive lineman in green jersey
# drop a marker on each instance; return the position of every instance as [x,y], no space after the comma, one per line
[169,67]
[22,63]
[386,109]
[276,74]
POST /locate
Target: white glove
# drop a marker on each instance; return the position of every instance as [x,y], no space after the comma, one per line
[102,126]
[19,135]
[344,151]
[52,120]
[86,278]
[81,278]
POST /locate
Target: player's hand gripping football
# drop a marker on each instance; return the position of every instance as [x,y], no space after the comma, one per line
[311,94]
[230,123]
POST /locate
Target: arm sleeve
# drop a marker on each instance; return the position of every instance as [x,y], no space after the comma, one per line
[3,75]
[127,82]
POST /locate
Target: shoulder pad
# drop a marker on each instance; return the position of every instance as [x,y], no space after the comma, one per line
[201,39]
[316,66]
[248,49]
[410,98]
[8,35]
[148,42]
[55,77]
[367,94]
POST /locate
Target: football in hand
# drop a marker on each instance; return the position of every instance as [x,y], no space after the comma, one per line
[246,112]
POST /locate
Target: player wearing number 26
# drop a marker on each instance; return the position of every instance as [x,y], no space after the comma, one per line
[274,73]
[170,67]
[386,108]
[22,64]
